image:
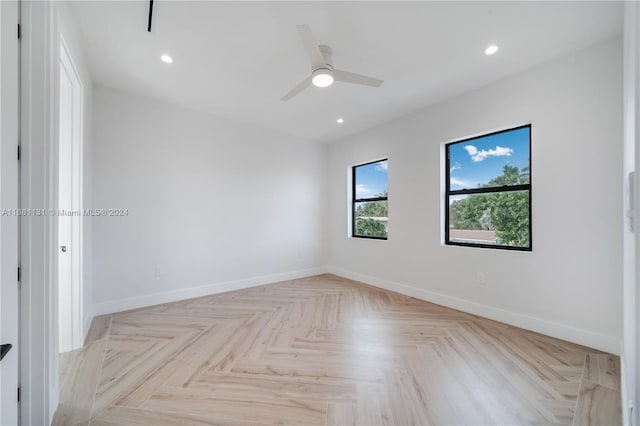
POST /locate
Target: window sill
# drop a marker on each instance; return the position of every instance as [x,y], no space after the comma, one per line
[369,238]
[489,246]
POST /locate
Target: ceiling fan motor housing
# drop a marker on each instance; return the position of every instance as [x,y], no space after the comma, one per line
[326,54]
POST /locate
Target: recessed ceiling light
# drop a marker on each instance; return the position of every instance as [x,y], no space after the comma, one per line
[166,59]
[340,121]
[491,50]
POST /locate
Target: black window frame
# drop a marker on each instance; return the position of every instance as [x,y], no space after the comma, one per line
[504,188]
[355,200]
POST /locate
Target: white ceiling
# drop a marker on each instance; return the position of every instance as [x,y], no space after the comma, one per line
[237,59]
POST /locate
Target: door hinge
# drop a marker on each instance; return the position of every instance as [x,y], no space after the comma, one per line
[18,152]
[19,32]
[18,274]
[18,394]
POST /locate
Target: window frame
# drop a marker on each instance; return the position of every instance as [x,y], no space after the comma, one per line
[355,200]
[505,188]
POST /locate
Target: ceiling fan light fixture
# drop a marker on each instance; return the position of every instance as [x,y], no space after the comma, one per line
[322,78]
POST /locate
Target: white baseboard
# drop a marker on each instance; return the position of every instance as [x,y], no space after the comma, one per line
[626,421]
[113,306]
[561,331]
[88,319]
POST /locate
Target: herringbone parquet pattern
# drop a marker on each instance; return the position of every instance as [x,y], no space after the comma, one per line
[326,350]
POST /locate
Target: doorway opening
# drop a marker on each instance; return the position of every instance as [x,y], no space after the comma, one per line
[69,217]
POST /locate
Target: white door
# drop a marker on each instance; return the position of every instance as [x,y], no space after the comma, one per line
[65,307]
[9,290]
[69,206]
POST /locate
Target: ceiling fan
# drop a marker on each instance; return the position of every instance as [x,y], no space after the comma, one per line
[322,72]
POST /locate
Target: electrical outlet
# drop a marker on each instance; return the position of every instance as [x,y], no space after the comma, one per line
[480,278]
[157,271]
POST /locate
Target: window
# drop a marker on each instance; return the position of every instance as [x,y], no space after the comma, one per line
[370,208]
[488,190]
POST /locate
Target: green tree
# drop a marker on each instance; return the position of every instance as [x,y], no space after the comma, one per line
[374,208]
[474,212]
[510,216]
[510,176]
[505,212]
[370,228]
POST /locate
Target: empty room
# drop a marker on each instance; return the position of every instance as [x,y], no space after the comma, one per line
[323,212]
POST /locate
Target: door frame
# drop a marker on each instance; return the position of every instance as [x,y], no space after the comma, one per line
[9,199]
[38,176]
[76,326]
[40,68]
[630,354]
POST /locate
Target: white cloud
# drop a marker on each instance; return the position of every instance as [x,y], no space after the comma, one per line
[455,167]
[462,183]
[382,167]
[478,156]
[362,191]
[472,150]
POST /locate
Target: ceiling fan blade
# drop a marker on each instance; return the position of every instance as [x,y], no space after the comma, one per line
[299,88]
[350,77]
[311,46]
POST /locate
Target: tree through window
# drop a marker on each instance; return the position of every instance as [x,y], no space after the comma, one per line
[370,205]
[488,190]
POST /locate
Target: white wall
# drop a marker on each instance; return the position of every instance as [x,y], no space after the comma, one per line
[69,31]
[631,240]
[213,205]
[570,285]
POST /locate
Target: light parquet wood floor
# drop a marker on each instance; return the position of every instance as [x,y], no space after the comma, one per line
[326,350]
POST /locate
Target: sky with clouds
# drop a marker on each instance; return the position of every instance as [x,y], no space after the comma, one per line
[372,179]
[476,161]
